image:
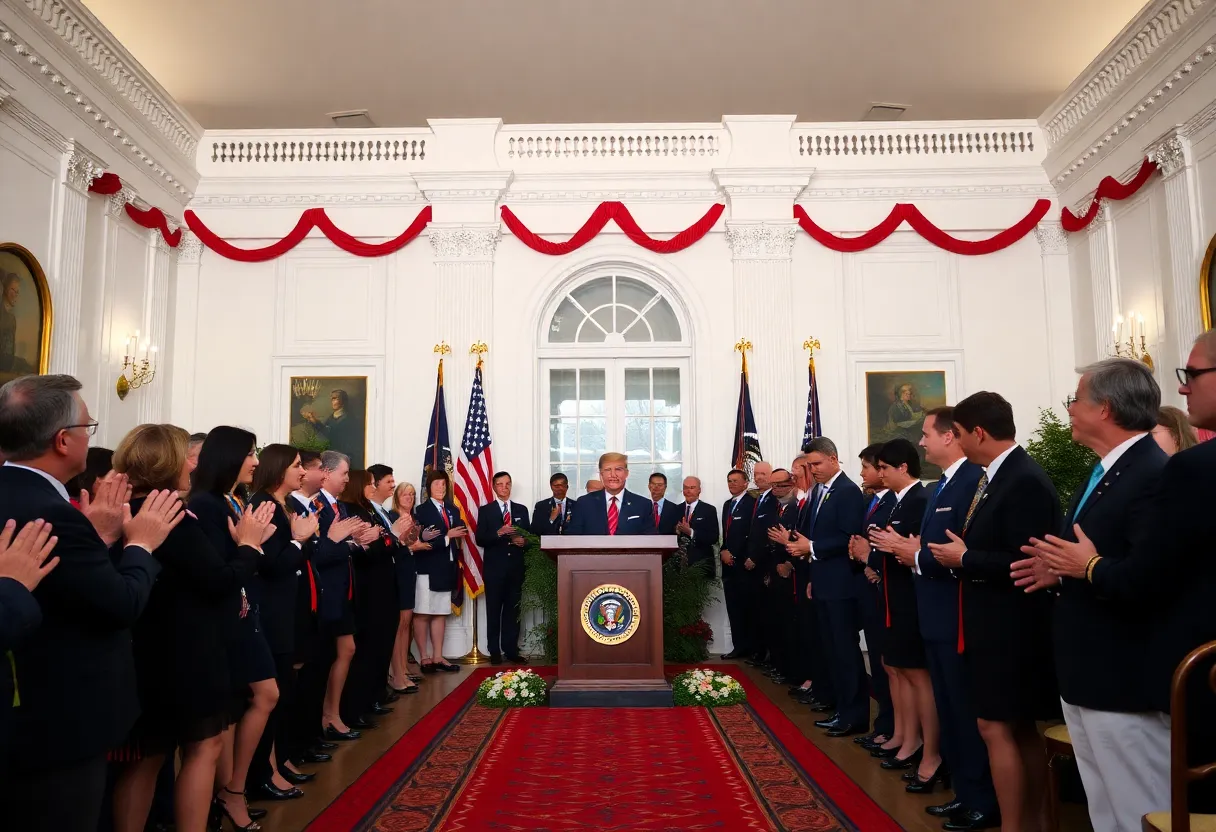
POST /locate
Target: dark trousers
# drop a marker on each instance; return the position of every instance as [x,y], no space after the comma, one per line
[310,693]
[504,590]
[63,799]
[807,651]
[839,625]
[873,620]
[732,588]
[781,618]
[962,747]
[277,723]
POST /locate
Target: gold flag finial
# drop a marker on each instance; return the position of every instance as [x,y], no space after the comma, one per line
[742,346]
[479,349]
[441,349]
[811,344]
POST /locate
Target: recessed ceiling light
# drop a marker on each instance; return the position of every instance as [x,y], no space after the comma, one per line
[351,119]
[885,112]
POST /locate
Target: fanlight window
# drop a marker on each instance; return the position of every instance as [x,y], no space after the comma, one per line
[614,310]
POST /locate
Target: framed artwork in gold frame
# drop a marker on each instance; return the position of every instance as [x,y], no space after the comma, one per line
[25,314]
[896,402]
[1207,286]
[329,413]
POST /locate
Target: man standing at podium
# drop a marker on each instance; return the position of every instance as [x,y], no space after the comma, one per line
[612,511]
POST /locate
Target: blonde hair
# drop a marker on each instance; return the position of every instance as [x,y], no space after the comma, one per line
[613,456]
[153,457]
[397,495]
[1179,426]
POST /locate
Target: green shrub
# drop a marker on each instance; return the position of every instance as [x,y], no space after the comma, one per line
[1067,463]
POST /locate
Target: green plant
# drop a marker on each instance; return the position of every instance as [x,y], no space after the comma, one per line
[707,688]
[513,689]
[1067,463]
[540,594]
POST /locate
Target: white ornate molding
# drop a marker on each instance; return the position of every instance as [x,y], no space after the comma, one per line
[116,203]
[1186,73]
[190,249]
[915,192]
[82,33]
[702,195]
[157,241]
[1165,19]
[27,118]
[5,92]
[54,80]
[761,240]
[304,200]
[82,168]
[1051,237]
[1171,154]
[464,242]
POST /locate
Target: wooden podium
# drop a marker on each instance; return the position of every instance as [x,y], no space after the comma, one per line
[610,620]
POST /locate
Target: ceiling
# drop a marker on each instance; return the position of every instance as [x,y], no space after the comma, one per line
[286,63]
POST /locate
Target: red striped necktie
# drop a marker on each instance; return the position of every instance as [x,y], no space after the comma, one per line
[614,516]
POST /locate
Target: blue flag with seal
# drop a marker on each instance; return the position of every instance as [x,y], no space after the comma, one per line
[439,458]
[746,451]
[814,425]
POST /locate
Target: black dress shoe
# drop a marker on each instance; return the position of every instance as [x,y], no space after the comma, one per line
[334,735]
[322,745]
[830,722]
[515,658]
[845,730]
[429,667]
[362,723]
[881,753]
[919,786]
[446,667]
[865,738]
[734,654]
[294,778]
[912,760]
[269,791]
[310,757]
[495,658]
[380,710]
[411,689]
[970,819]
[778,679]
[413,677]
[946,810]
[392,697]
[755,661]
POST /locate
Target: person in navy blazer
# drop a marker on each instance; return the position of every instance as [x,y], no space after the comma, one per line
[736,522]
[442,528]
[936,587]
[635,514]
[698,524]
[552,515]
[838,512]
[666,514]
[502,546]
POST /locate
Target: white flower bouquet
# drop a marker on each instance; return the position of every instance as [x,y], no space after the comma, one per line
[513,689]
[708,688]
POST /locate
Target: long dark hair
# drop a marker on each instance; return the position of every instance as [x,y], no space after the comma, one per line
[353,493]
[220,460]
[273,462]
[98,463]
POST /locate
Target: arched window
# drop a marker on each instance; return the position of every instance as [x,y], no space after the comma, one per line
[615,374]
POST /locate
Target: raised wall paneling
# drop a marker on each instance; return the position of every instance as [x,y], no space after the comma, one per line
[371,367]
[901,299]
[329,304]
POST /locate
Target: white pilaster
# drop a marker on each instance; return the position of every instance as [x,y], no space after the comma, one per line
[67,256]
[762,257]
[156,324]
[1053,244]
[1105,280]
[1184,320]
[182,353]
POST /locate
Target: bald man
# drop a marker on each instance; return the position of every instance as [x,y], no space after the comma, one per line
[698,524]
[593,486]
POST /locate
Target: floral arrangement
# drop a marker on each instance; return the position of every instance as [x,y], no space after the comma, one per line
[513,689]
[708,688]
[699,630]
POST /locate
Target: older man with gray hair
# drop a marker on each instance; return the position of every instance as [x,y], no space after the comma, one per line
[1122,744]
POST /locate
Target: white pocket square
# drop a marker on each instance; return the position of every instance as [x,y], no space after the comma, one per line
[634,517]
[943,508]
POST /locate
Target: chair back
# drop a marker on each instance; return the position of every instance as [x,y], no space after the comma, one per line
[1182,774]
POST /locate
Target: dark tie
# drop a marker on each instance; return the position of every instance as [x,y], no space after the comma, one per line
[873,505]
[687,513]
[614,516]
[975,502]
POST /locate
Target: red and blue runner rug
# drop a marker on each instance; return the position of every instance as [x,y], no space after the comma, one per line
[463,768]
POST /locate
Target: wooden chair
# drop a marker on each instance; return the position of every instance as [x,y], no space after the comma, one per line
[1182,774]
[1058,745]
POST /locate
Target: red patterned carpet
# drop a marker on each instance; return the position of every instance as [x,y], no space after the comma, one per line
[463,768]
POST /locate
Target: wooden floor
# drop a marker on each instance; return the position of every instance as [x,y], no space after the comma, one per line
[352,759]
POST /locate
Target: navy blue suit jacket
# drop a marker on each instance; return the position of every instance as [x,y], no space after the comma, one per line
[636,514]
[936,586]
[540,517]
[734,533]
[704,523]
[837,518]
[669,514]
[440,561]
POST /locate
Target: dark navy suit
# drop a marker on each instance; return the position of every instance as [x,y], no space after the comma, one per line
[873,620]
[836,517]
[540,517]
[504,575]
[937,606]
[669,514]
[736,524]
[704,523]
[635,514]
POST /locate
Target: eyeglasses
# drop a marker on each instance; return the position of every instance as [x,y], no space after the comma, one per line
[90,428]
[1187,375]
[1069,401]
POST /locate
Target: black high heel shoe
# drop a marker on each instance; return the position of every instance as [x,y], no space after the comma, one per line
[296,778]
[334,735]
[253,826]
[912,760]
[919,786]
[269,791]
[880,753]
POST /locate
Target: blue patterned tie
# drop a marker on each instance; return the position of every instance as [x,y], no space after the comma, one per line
[1094,479]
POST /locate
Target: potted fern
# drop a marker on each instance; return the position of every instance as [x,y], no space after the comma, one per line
[1066,462]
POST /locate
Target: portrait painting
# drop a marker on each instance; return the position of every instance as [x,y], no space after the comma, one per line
[1207,286]
[329,413]
[896,403]
[25,314]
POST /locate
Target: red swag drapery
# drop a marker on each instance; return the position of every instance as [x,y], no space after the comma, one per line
[618,213]
[1108,188]
[153,218]
[904,212]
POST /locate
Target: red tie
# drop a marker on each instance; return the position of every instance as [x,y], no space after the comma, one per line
[656,513]
[687,513]
[506,514]
[614,516]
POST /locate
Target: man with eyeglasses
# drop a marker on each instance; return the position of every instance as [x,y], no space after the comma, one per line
[55,763]
[1169,574]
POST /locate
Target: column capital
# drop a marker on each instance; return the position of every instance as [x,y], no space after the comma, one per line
[1051,237]
[82,168]
[1172,153]
[190,249]
[754,240]
[1103,220]
[464,242]
[116,203]
[762,193]
[464,196]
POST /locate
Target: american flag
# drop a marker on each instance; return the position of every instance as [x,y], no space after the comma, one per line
[473,484]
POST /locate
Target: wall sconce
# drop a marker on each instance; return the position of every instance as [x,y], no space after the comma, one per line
[1129,348]
[136,372]
[305,388]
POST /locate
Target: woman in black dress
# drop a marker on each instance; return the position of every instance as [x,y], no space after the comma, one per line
[899,463]
[218,496]
[179,641]
[440,531]
[405,497]
[275,590]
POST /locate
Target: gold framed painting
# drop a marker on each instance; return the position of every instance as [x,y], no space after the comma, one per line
[25,314]
[329,413]
[1207,285]
[896,403]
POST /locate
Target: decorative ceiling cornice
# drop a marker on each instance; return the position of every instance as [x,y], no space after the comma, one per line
[1135,46]
[82,33]
[73,98]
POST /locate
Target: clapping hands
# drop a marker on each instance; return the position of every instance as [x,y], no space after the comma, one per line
[255,526]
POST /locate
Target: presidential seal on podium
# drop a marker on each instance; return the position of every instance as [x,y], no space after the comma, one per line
[610,614]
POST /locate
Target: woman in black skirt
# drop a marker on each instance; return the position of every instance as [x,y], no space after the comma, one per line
[179,641]
[405,497]
[218,497]
[899,463]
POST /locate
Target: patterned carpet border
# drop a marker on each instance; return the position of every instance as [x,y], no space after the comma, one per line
[429,779]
